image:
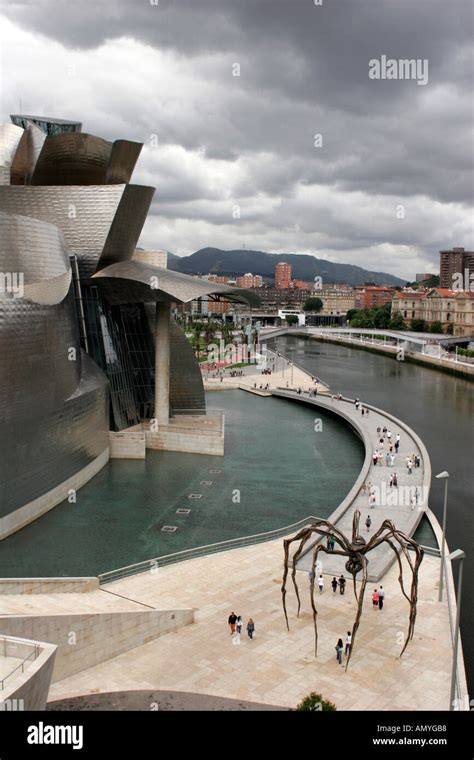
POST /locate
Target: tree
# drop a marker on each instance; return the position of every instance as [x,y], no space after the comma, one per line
[315,703]
[382,316]
[450,329]
[397,323]
[436,327]
[363,318]
[418,325]
[351,314]
[313,304]
[292,319]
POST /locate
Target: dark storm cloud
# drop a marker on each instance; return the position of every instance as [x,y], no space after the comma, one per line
[303,70]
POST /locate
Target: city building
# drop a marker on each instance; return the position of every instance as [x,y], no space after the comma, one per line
[86,318]
[372,296]
[249,280]
[456,269]
[336,301]
[408,304]
[283,276]
[454,309]
[424,276]
[300,284]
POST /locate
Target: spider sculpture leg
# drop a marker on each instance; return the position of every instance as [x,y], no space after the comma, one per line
[393,535]
[316,549]
[363,561]
[320,528]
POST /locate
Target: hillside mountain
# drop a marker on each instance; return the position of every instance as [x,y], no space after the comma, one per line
[216,261]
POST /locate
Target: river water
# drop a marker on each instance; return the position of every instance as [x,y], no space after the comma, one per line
[439,407]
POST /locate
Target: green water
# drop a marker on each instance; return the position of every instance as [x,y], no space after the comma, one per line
[275,463]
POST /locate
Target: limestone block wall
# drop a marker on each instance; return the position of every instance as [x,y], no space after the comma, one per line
[47,585]
[127,445]
[28,690]
[192,442]
[84,640]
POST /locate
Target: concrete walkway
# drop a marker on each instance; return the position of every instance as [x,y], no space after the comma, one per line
[391,503]
[278,667]
[283,375]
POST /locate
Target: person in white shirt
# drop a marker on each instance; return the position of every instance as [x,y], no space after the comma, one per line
[348,642]
[320,584]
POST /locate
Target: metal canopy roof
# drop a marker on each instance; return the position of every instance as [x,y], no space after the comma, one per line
[135,281]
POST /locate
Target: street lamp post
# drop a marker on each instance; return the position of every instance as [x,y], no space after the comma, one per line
[458,554]
[443,476]
[292,374]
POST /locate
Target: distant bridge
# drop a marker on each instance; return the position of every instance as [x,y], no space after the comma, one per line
[403,338]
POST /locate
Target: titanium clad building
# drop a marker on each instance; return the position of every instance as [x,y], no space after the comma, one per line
[80,339]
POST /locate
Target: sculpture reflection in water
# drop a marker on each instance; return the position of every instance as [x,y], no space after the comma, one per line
[356,550]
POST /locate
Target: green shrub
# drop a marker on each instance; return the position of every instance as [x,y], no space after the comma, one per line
[315,703]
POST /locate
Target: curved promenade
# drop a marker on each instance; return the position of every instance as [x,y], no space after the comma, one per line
[404,505]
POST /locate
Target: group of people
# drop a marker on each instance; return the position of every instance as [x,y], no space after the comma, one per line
[335,583]
[236,373]
[236,623]
[266,371]
[413,461]
[262,387]
[378,598]
[341,649]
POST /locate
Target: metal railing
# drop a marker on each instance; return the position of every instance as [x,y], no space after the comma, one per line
[200,551]
[32,656]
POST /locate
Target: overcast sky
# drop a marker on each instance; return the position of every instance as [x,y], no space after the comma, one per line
[217,144]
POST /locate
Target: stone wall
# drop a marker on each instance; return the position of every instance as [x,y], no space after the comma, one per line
[84,640]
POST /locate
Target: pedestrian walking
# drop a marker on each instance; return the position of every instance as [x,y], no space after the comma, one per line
[372,500]
[375,600]
[362,411]
[250,628]
[310,575]
[339,651]
[232,621]
[397,444]
[392,460]
[320,584]
[332,542]
[367,412]
[342,585]
[381,597]
[387,459]
[409,465]
[368,523]
[395,480]
[334,585]
[389,434]
[348,643]
[378,431]
[239,624]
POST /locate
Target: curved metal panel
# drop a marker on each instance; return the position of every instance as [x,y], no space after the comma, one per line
[83,214]
[35,251]
[186,385]
[27,154]
[44,357]
[123,158]
[72,158]
[38,455]
[132,281]
[10,136]
[127,224]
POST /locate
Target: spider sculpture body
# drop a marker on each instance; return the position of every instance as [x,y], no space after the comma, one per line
[356,550]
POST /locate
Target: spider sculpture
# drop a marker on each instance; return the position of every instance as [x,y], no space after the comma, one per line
[356,550]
